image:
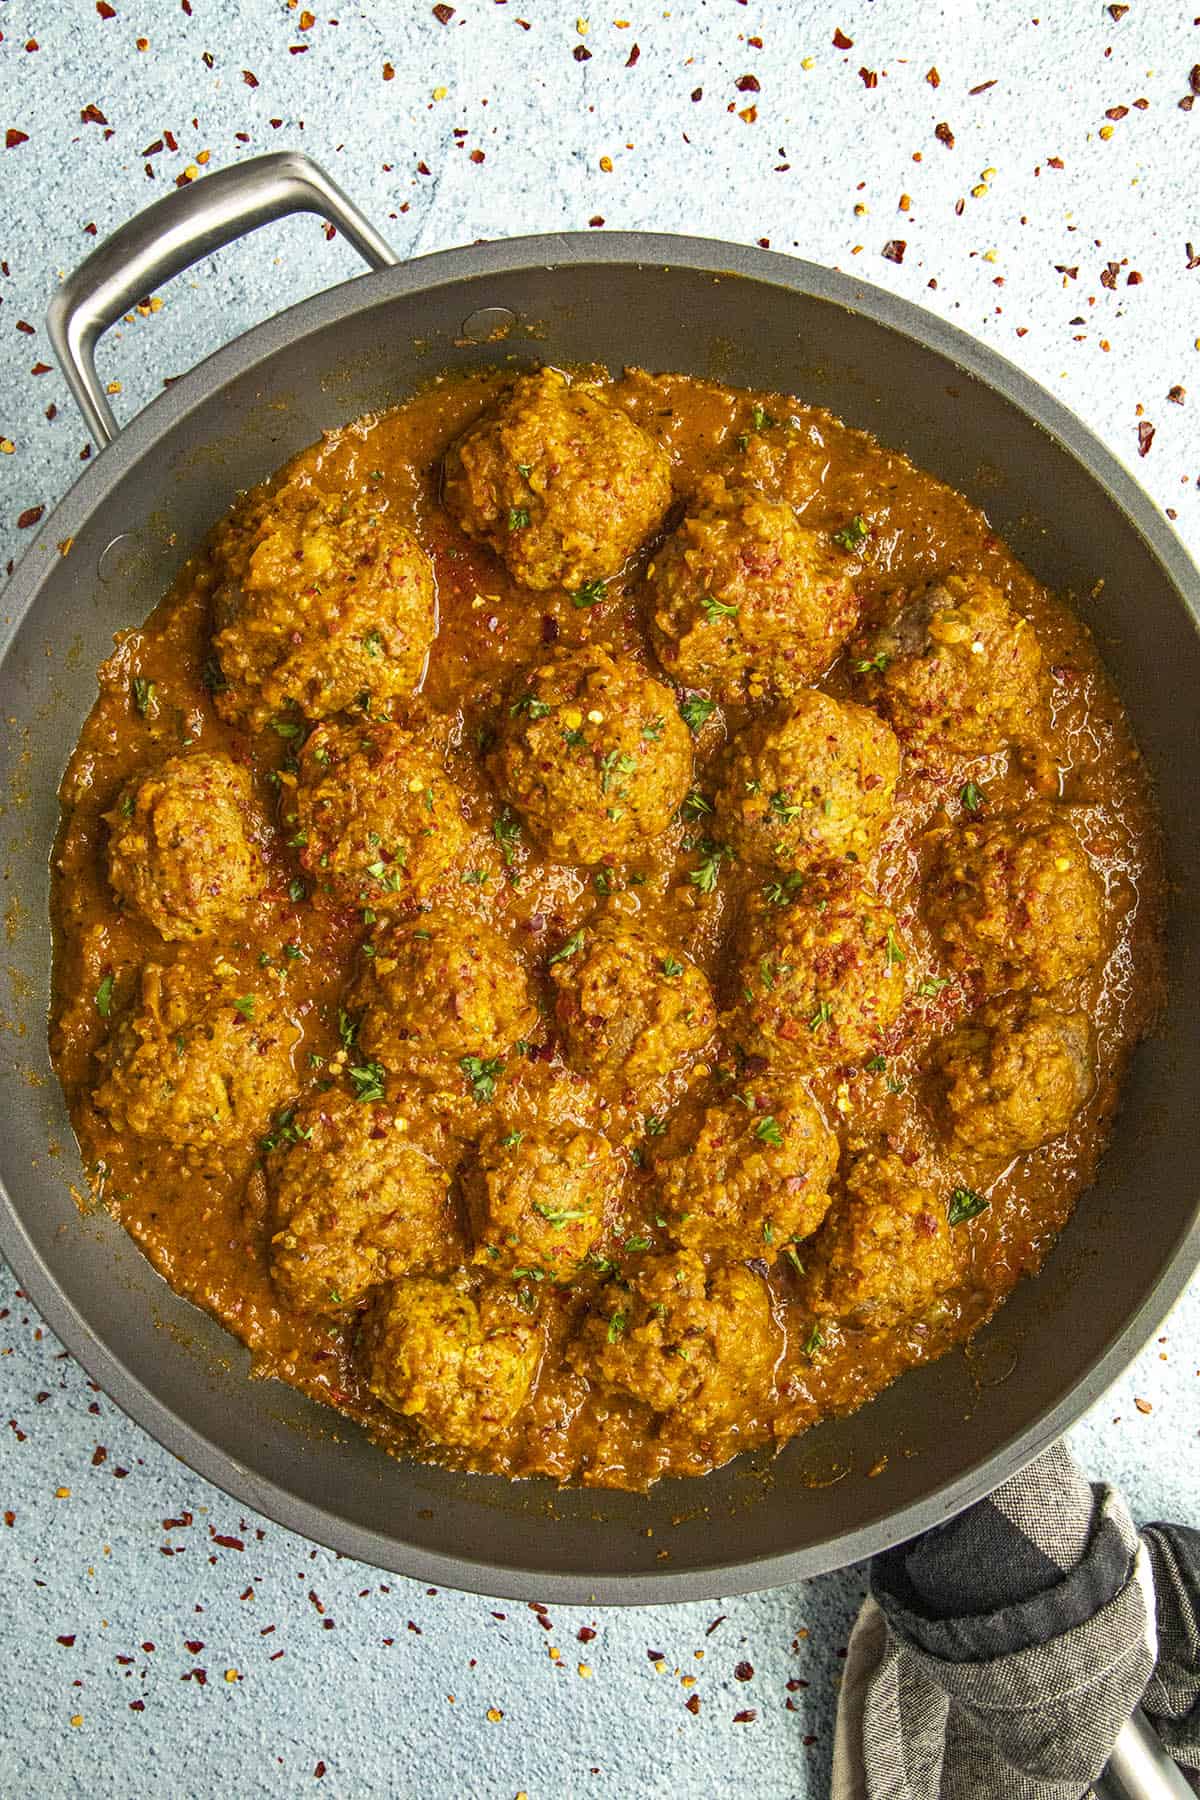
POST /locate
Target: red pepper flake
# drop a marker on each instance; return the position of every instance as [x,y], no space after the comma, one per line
[744,1672]
[1116,112]
[581,53]
[1133,279]
[809,1741]
[1187,103]
[30,516]
[477,156]
[389,74]
[1145,439]
[795,1684]
[1117,13]
[155,148]
[194,1645]
[443,14]
[99,1455]
[933,78]
[226,1543]
[632,58]
[186,6]
[894,249]
[983,87]
[596,219]
[585,1634]
[869,78]
[841,41]
[693,1705]
[32,45]
[319,1771]
[24,325]
[13,137]
[297,49]
[745,1718]
[1108,275]
[1055,162]
[119,1473]
[137,1706]
[148,1647]
[10,1518]
[105,10]
[719,1620]
[91,115]
[655,1656]
[697,94]
[307,21]
[1177,394]
[944,135]
[68,1640]
[748,84]
[250,79]
[1143,1406]
[1194,78]
[423,169]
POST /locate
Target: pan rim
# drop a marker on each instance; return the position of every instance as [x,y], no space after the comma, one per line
[161,417]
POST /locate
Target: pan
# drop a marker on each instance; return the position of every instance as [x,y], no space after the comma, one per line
[944,1434]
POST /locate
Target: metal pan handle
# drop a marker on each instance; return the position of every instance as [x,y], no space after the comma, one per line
[169,237]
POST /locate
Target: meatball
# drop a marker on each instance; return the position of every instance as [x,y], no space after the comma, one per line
[541,1199]
[457,1358]
[816,780]
[1013,1078]
[561,483]
[681,1338]
[324,603]
[887,1252]
[822,972]
[595,755]
[360,1195]
[185,846]
[746,601]
[956,670]
[744,1173]
[633,1008]
[203,1056]
[1015,902]
[380,822]
[441,987]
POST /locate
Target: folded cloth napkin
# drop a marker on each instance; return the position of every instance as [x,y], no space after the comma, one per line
[1000,1653]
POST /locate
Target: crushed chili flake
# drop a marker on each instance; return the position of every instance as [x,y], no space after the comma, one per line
[744,1672]
[1143,1406]
[841,41]
[894,249]
[1117,13]
[697,93]
[1116,112]
[933,78]
[250,79]
[944,135]
[105,10]
[693,1704]
[477,156]
[1177,394]
[634,54]
[13,137]
[137,1706]
[719,1620]
[1194,78]
[983,87]
[869,78]
[91,115]
[581,53]
[443,14]
[747,1717]
[29,517]
[389,74]
[748,84]
[585,1634]
[598,219]
[24,325]
[1145,439]
[68,1640]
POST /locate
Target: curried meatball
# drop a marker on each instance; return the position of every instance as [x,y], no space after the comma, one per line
[956,670]
[595,755]
[1013,1078]
[1015,902]
[457,1358]
[324,600]
[822,973]
[747,1171]
[633,1009]
[360,1196]
[680,1338]
[541,1199]
[887,1251]
[202,1057]
[441,987]
[746,601]
[185,845]
[380,822]
[812,781]
[562,484]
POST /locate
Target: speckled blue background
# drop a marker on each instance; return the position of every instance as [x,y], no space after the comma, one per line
[158,1640]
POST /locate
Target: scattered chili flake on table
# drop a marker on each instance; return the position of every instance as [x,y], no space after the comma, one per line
[1145,437]
[841,41]
[894,249]
[13,137]
[1143,1406]
[944,135]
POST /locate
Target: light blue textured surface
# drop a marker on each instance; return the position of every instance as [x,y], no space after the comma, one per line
[124,1573]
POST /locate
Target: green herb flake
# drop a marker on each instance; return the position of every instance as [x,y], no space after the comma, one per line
[635,1244]
[511,1139]
[878,663]
[536,709]
[557,1217]
[815,1341]
[892,952]
[783,890]
[368,1081]
[145,697]
[104,994]
[475,877]
[965,1204]
[671,967]
[932,986]
[761,419]
[616,1326]
[590,594]
[246,1005]
[481,1074]
[789,1250]
[696,712]
[518,518]
[297,890]
[876,1064]
[714,609]
[567,949]
[851,536]
[821,1017]
[652,730]
[767,1132]
[506,829]
[287,728]
[711,856]
[971,797]
[781,806]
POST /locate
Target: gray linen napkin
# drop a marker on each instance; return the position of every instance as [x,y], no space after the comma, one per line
[1000,1653]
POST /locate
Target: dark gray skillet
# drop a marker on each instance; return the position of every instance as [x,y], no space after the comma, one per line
[943,1435]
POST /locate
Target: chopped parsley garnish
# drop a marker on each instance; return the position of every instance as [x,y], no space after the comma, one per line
[506,829]
[613,764]
[878,662]
[711,856]
[695,805]
[877,1064]
[783,890]
[373,643]
[780,804]
[368,1081]
[761,419]
[525,469]
[589,594]
[893,952]
[965,1204]
[971,797]
[245,1005]
[852,535]
[511,1139]
[768,1231]
[212,678]
[475,877]
[655,1124]
[537,709]
[558,1217]
[518,518]
[572,944]
[145,697]
[714,609]
[814,1342]
[287,728]
[767,1132]
[652,730]
[821,1017]
[602,881]
[616,1326]
[634,1244]
[932,986]
[696,712]
[104,994]
[481,1073]
[284,1130]
[297,890]
[789,1250]
[347,1028]
[293,952]
[671,967]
